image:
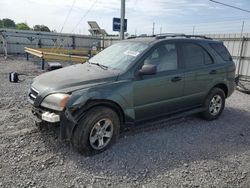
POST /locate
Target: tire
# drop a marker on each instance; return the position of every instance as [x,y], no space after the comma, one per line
[214,108]
[99,123]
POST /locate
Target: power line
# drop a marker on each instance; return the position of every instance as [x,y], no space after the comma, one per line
[86,13]
[66,19]
[248,11]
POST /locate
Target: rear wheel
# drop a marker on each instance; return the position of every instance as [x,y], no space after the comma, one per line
[214,104]
[96,131]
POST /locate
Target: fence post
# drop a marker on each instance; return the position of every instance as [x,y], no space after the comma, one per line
[241,53]
[73,42]
[27,56]
[103,45]
[5,47]
[42,63]
[40,43]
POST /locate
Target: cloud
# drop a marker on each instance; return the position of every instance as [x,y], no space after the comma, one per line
[168,14]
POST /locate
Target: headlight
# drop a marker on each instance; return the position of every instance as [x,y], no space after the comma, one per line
[55,101]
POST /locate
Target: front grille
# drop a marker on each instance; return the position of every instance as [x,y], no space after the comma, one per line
[33,94]
[37,112]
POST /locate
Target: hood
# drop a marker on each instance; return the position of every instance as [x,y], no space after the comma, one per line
[75,76]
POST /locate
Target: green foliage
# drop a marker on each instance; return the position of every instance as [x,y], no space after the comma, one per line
[22,26]
[8,23]
[41,28]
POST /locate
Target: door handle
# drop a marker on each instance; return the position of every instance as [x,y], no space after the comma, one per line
[176,79]
[213,72]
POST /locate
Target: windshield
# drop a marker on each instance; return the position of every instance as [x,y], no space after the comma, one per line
[119,55]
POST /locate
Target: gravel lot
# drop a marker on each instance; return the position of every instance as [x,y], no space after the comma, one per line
[187,152]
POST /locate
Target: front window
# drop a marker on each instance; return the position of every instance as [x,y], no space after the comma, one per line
[120,55]
[164,57]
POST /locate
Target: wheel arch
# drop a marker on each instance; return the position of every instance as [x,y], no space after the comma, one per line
[222,86]
[92,103]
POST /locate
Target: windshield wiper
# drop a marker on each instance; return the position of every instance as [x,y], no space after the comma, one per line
[104,67]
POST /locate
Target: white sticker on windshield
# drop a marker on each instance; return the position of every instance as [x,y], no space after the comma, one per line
[131,53]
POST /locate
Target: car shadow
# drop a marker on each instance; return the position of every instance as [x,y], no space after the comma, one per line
[167,145]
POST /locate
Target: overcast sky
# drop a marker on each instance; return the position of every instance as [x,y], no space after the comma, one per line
[168,15]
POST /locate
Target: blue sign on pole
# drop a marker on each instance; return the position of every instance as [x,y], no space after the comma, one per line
[117,24]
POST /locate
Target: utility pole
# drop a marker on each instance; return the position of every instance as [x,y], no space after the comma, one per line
[193,29]
[122,19]
[240,51]
[242,28]
[153,30]
[160,30]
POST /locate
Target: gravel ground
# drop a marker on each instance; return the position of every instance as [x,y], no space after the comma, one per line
[187,152]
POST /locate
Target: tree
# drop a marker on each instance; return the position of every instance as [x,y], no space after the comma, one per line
[41,28]
[22,26]
[1,24]
[8,23]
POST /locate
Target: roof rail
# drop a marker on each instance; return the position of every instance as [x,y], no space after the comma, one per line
[162,36]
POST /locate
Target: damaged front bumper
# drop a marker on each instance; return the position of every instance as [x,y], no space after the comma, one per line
[65,119]
[46,115]
[67,125]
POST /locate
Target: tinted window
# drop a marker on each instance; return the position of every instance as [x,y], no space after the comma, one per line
[194,55]
[222,51]
[164,57]
[207,58]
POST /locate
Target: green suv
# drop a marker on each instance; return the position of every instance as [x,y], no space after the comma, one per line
[133,81]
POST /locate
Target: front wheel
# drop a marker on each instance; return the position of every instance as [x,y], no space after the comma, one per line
[96,131]
[214,104]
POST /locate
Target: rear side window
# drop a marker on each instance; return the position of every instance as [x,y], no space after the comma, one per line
[221,51]
[194,55]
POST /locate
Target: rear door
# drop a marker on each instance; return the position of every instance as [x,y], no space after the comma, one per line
[200,71]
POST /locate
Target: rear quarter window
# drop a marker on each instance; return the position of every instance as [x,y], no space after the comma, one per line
[222,51]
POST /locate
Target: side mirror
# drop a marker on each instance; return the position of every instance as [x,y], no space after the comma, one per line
[147,69]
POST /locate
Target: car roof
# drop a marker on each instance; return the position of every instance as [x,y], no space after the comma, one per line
[181,37]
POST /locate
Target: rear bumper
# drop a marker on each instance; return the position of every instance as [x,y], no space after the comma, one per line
[231,87]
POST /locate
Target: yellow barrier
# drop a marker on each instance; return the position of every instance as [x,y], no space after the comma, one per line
[59,54]
[68,51]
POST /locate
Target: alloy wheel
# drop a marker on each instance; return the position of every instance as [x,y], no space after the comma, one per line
[101,134]
[215,105]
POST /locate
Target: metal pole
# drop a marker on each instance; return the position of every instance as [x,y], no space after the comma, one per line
[27,56]
[73,42]
[241,53]
[103,44]
[42,63]
[153,30]
[5,47]
[122,19]
[242,28]
[193,29]
[241,49]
